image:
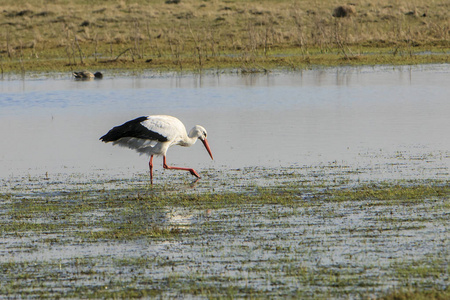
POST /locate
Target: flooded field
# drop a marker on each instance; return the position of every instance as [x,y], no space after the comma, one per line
[326,184]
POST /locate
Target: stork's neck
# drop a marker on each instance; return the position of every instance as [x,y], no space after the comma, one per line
[194,134]
[189,140]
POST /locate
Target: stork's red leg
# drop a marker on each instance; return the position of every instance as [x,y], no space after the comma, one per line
[150,164]
[192,171]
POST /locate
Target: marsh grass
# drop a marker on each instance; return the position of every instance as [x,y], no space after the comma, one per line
[142,212]
[293,235]
[63,35]
[414,294]
[254,260]
[384,192]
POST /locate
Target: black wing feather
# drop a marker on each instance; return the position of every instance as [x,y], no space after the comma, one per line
[135,129]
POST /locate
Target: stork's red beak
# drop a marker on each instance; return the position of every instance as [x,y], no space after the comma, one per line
[205,142]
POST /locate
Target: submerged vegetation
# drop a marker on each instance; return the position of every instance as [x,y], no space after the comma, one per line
[191,35]
[301,238]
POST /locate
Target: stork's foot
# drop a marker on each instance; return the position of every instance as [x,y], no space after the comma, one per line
[193,172]
[194,182]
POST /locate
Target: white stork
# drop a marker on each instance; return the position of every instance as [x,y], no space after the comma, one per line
[153,135]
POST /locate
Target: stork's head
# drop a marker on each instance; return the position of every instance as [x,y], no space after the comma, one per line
[200,132]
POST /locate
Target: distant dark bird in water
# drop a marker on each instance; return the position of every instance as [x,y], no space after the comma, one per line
[87,75]
[153,135]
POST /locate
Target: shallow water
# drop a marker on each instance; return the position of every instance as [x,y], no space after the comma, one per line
[314,130]
[360,117]
[320,249]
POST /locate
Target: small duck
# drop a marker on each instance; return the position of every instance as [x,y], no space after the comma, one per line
[87,75]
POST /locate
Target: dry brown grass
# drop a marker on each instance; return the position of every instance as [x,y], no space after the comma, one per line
[197,32]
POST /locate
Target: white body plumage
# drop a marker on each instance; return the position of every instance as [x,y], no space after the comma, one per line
[169,127]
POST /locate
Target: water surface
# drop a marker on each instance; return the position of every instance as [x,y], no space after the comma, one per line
[355,116]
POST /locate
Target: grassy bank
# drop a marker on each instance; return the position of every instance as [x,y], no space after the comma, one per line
[64,35]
